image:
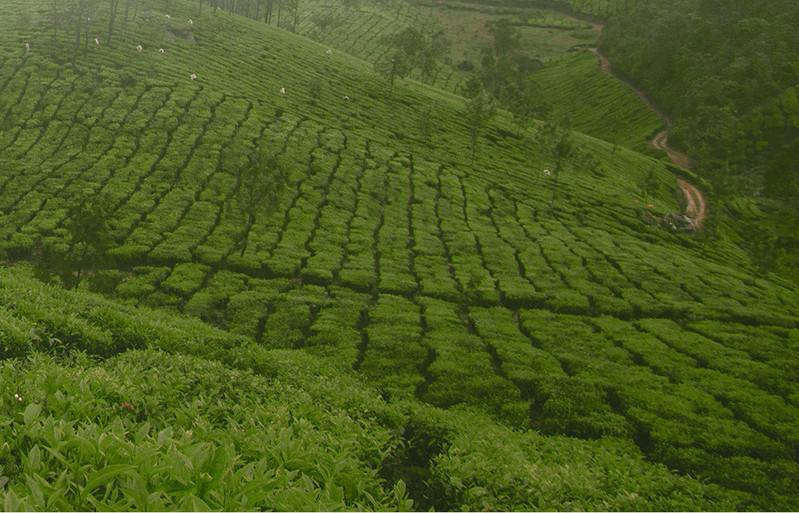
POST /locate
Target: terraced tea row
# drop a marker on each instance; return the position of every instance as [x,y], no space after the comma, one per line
[321,438]
[591,8]
[593,103]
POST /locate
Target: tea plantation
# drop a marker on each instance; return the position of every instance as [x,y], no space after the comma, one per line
[291,288]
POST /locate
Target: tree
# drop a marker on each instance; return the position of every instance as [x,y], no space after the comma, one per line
[524,102]
[87,226]
[263,178]
[111,18]
[479,111]
[557,142]
[506,37]
[781,176]
[322,21]
[294,5]
[409,50]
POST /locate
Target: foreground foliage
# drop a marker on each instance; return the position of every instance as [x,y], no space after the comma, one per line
[148,429]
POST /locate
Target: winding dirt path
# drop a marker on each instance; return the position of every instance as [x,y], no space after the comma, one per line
[661,142]
[695,206]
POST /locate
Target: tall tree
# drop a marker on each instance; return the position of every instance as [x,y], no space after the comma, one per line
[112,14]
[408,50]
[557,142]
[322,21]
[87,226]
[479,110]
[263,178]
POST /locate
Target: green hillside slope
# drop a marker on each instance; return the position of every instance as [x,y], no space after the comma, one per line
[161,423]
[594,103]
[473,287]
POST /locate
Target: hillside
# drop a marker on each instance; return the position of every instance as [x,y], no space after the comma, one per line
[178,414]
[507,321]
[733,106]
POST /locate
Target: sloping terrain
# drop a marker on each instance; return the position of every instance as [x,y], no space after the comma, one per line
[180,415]
[480,286]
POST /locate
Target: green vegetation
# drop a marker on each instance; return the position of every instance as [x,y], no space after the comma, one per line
[577,91]
[728,78]
[169,427]
[379,302]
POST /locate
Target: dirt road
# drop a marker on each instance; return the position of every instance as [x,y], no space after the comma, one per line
[695,205]
[661,142]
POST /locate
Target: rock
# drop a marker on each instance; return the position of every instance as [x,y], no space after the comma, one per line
[678,223]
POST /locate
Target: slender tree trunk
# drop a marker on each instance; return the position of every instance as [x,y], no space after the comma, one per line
[555,189]
[113,15]
[250,223]
[55,23]
[125,21]
[279,5]
[81,265]
[78,25]
[88,13]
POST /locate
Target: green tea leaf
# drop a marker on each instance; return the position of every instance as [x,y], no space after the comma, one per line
[34,458]
[12,502]
[142,433]
[164,435]
[193,503]
[105,475]
[32,412]
[221,462]
[36,490]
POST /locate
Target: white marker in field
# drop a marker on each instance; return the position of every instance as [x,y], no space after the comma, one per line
[330,52]
[167,16]
[27,47]
[193,76]
[160,50]
[191,22]
[282,90]
[96,41]
[139,48]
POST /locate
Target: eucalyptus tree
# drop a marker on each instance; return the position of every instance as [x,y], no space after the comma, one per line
[409,50]
[262,179]
[89,239]
[479,110]
[557,142]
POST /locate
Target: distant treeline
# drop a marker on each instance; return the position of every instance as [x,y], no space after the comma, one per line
[716,66]
[726,71]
